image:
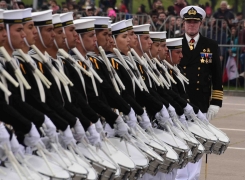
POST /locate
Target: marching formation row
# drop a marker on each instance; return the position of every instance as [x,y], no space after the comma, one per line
[87,99]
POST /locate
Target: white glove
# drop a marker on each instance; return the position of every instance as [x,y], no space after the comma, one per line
[171,111]
[16,147]
[4,140]
[164,112]
[183,120]
[131,119]
[50,129]
[32,139]
[67,137]
[188,111]
[94,136]
[202,117]
[212,112]
[121,128]
[100,129]
[79,133]
[163,121]
[145,122]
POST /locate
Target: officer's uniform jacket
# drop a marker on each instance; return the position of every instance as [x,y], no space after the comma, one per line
[203,69]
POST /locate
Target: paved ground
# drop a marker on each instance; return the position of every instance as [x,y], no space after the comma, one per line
[231,164]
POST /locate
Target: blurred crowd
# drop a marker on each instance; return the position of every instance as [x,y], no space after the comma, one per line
[222,25]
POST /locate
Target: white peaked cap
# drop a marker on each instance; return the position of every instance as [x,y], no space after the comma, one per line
[56,21]
[27,15]
[119,27]
[157,36]
[84,25]
[129,24]
[101,22]
[13,16]
[192,12]
[174,43]
[42,18]
[142,29]
[109,24]
[66,18]
[1,15]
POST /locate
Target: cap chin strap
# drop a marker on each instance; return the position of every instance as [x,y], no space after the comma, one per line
[26,42]
[65,38]
[56,45]
[9,38]
[138,36]
[81,40]
[170,56]
[150,54]
[115,42]
[40,36]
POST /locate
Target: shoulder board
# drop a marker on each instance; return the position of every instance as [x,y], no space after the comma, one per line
[22,68]
[40,65]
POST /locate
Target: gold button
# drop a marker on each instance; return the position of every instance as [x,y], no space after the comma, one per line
[184,67]
[197,82]
[197,89]
[185,74]
[198,75]
[198,68]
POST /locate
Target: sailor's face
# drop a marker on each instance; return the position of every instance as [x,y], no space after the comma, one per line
[3,34]
[89,40]
[133,39]
[163,51]
[31,30]
[71,36]
[146,42]
[122,41]
[176,56]
[192,27]
[48,35]
[17,35]
[111,43]
[155,49]
[103,38]
[59,37]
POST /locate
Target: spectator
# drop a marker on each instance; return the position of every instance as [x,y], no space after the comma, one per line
[224,13]
[241,40]
[179,5]
[156,4]
[141,9]
[44,6]
[54,6]
[154,17]
[208,10]
[89,11]
[123,8]
[233,40]
[171,11]
[112,14]
[160,9]
[21,5]
[161,18]
[70,7]
[3,5]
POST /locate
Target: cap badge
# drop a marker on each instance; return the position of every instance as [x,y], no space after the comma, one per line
[192,11]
